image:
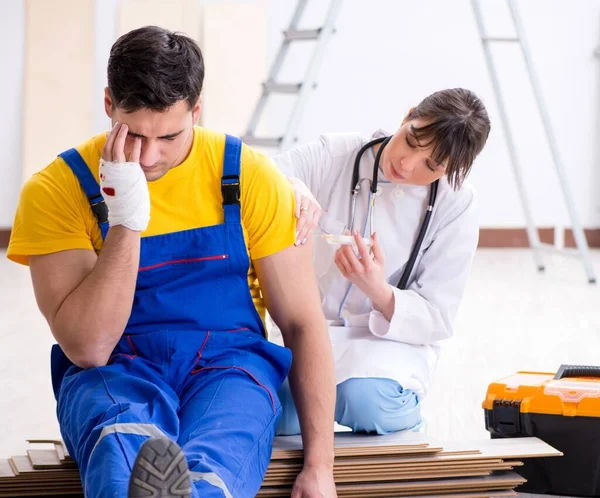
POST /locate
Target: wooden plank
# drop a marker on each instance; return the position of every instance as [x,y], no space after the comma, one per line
[409,477]
[5,469]
[41,486]
[44,459]
[60,451]
[22,464]
[502,479]
[476,494]
[387,494]
[385,463]
[382,469]
[445,494]
[391,474]
[45,441]
[175,15]
[382,446]
[352,452]
[42,489]
[526,447]
[351,440]
[46,88]
[233,30]
[47,494]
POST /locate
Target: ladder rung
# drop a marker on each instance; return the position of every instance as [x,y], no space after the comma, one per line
[282,87]
[500,39]
[262,142]
[302,34]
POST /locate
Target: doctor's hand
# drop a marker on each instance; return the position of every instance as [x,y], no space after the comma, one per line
[367,272]
[308,211]
[314,483]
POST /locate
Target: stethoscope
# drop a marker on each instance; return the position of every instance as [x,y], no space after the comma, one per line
[373,184]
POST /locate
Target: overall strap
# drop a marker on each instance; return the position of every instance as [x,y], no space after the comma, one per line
[90,187]
[230,181]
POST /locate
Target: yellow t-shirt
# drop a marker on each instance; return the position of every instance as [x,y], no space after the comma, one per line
[54,213]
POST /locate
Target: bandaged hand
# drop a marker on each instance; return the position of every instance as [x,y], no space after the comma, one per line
[123,183]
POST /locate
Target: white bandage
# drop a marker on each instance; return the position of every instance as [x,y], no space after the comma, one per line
[125,190]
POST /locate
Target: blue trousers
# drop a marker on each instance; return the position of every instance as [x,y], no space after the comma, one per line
[215,393]
[372,405]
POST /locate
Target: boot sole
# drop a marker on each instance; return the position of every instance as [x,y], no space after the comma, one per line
[160,471]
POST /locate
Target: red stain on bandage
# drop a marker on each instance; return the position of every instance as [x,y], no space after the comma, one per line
[109,191]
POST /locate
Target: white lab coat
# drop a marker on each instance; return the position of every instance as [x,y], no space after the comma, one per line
[407,348]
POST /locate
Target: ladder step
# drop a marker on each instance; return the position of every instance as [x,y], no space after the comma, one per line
[262,142]
[500,39]
[282,87]
[301,34]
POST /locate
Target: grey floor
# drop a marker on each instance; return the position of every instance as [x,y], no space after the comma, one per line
[512,318]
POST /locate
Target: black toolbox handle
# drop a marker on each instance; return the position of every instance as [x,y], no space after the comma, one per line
[577,371]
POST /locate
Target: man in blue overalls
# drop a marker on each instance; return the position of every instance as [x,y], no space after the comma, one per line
[154,252]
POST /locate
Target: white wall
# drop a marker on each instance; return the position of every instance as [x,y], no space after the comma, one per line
[12,21]
[58,79]
[389,54]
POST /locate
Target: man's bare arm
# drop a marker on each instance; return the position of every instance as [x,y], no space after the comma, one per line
[291,294]
[87,299]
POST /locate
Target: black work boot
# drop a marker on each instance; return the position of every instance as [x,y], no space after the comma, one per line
[160,471]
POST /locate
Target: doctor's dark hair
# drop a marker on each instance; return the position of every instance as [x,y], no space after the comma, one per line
[154,68]
[457,127]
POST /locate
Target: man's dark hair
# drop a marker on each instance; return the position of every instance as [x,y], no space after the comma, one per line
[456,125]
[154,68]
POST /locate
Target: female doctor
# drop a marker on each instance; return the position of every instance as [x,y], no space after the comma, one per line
[391,297]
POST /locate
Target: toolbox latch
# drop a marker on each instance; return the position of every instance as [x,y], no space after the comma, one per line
[506,417]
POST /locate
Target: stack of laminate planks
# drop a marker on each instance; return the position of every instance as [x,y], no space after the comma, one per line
[397,465]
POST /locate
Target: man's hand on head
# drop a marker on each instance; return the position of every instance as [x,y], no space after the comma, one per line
[122,181]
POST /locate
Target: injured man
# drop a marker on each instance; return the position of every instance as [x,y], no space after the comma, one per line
[154,252]
[393,245]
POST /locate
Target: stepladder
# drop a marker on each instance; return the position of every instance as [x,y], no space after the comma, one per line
[582,250]
[319,37]
[301,91]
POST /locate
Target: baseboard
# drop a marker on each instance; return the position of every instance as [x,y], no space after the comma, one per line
[488,237]
[517,237]
[4,237]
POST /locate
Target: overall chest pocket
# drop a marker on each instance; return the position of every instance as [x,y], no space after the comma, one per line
[181,267]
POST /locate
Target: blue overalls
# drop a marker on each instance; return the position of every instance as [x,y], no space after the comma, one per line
[193,363]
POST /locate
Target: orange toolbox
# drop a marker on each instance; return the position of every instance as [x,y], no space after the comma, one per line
[562,409]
